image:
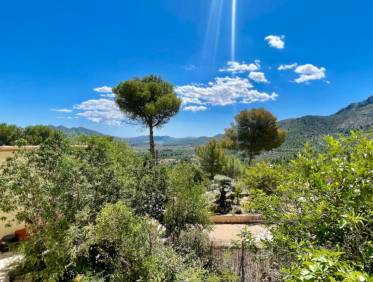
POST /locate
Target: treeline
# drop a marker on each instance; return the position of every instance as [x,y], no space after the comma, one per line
[31,135]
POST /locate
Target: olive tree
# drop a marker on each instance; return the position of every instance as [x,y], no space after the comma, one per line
[149,101]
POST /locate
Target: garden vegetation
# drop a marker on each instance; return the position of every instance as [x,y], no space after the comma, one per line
[102,212]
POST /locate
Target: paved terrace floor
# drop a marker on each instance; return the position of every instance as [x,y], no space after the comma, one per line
[7,261]
[227,228]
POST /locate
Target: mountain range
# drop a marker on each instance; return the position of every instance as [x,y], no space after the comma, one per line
[356,116]
[309,128]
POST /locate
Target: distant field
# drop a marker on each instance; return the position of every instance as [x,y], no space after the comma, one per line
[170,152]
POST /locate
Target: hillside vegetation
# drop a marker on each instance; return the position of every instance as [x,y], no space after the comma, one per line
[313,129]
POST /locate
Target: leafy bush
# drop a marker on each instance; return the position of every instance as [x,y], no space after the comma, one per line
[194,244]
[31,135]
[48,188]
[325,202]
[9,134]
[232,167]
[124,247]
[76,202]
[264,177]
[187,202]
[323,265]
[212,158]
[149,192]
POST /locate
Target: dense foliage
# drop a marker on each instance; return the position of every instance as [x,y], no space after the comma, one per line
[263,177]
[254,131]
[31,135]
[76,202]
[215,161]
[149,193]
[322,210]
[211,157]
[187,204]
[101,212]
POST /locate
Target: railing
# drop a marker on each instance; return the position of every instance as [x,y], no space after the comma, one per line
[248,266]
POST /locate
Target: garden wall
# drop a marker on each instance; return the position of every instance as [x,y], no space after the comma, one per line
[5,153]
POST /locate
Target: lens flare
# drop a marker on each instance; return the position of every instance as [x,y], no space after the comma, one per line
[212,38]
[233,30]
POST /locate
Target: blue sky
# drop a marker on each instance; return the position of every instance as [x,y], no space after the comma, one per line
[53,54]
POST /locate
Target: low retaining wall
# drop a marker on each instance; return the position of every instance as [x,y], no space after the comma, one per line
[237,219]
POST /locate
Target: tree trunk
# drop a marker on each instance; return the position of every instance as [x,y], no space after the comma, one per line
[151,142]
[250,160]
[251,157]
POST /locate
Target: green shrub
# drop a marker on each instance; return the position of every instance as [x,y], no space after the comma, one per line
[264,177]
[232,167]
[211,157]
[149,192]
[324,202]
[187,204]
[323,265]
[194,243]
[48,188]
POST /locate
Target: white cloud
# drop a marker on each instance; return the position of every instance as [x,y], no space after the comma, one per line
[258,77]
[236,67]
[191,100]
[62,110]
[106,91]
[309,72]
[275,41]
[256,96]
[287,67]
[195,108]
[221,92]
[107,95]
[103,89]
[100,111]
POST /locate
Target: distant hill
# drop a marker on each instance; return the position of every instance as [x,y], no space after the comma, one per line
[75,130]
[138,141]
[310,129]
